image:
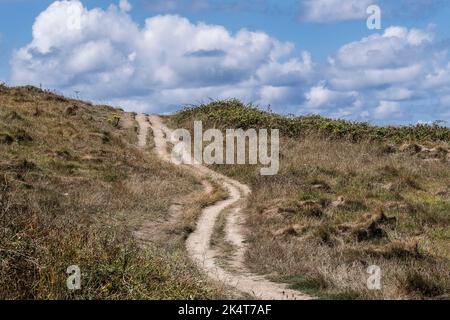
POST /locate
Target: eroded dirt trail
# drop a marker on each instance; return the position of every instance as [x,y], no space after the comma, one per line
[199,242]
[143,129]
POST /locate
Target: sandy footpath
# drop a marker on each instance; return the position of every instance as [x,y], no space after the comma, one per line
[198,243]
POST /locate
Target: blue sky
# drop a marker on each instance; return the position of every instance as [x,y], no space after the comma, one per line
[299,56]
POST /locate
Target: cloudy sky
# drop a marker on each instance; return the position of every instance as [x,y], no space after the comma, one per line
[298,56]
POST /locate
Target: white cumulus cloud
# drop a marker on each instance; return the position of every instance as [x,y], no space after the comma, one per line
[388,110]
[125,5]
[398,75]
[169,61]
[334,10]
[330,11]
[389,70]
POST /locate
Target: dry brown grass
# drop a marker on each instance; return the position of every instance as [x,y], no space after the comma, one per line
[197,203]
[73,189]
[338,206]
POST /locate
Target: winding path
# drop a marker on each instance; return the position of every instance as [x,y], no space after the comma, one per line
[199,242]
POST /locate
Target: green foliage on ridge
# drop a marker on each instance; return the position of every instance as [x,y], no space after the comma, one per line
[235,114]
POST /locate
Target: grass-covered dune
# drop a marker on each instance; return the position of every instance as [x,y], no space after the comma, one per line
[348,196]
[74,189]
[233,113]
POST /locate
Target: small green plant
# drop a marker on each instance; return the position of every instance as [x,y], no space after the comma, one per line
[114,120]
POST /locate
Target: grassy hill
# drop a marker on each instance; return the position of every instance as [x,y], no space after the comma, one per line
[73,190]
[233,113]
[348,196]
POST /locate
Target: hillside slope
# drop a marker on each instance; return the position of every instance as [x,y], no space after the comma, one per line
[74,188]
[347,196]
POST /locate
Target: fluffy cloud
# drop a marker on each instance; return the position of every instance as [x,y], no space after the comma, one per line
[334,10]
[320,97]
[388,110]
[328,11]
[125,6]
[169,61]
[389,71]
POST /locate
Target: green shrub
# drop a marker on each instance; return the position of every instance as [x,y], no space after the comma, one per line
[233,113]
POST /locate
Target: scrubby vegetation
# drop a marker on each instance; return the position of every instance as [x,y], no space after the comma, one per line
[73,191]
[233,113]
[348,196]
